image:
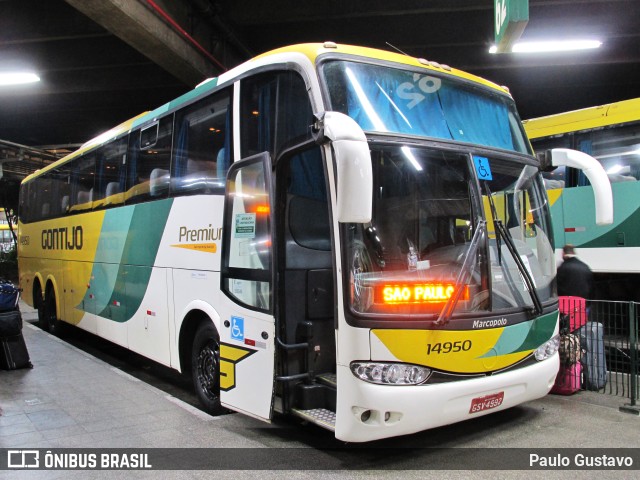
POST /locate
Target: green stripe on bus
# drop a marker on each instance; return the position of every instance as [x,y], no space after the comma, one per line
[525,336]
[148,222]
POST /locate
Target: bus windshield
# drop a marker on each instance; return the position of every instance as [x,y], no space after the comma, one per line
[427,209]
[385,99]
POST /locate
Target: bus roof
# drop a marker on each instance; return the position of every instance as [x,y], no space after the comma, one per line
[311,50]
[585,119]
[315,50]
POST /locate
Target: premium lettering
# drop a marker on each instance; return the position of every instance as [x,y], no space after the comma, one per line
[199,234]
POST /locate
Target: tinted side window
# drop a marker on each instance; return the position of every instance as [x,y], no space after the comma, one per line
[82,176]
[110,174]
[308,212]
[275,113]
[148,162]
[202,149]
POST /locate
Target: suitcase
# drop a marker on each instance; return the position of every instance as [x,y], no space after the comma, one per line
[568,379]
[13,353]
[593,359]
[10,323]
[576,309]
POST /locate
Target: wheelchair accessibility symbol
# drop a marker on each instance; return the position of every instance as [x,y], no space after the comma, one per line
[483,169]
[237,328]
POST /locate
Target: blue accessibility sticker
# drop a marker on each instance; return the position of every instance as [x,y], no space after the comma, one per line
[483,169]
[237,328]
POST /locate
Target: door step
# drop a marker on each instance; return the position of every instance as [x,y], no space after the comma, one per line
[327,379]
[319,416]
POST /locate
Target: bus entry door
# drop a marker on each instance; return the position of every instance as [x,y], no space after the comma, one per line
[247,327]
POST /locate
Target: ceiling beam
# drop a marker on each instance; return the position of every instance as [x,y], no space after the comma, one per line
[136,24]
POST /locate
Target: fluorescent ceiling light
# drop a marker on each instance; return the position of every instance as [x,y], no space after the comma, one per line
[551,46]
[17,78]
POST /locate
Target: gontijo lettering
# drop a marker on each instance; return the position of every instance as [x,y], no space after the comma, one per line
[62,238]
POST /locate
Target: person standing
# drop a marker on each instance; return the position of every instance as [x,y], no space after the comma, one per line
[575,278]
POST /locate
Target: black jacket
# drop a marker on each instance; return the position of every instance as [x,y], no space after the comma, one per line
[575,279]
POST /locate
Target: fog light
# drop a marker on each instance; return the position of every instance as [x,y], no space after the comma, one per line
[390,373]
[547,349]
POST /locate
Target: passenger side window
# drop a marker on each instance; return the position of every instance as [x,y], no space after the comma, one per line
[83,173]
[148,162]
[202,146]
[275,113]
[110,175]
[307,211]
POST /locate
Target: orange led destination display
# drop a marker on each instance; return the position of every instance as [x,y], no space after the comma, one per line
[423,292]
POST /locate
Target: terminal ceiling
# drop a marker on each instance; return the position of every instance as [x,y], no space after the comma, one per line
[103,61]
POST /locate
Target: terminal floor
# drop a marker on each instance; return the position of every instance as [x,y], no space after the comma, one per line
[72,399]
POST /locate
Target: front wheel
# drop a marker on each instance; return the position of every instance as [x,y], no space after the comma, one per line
[205,367]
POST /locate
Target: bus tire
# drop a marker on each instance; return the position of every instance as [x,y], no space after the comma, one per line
[54,325]
[205,367]
[39,305]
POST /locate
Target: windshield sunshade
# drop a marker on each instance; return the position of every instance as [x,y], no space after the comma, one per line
[384,99]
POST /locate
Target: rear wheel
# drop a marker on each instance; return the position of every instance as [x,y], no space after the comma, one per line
[205,367]
[39,305]
[54,325]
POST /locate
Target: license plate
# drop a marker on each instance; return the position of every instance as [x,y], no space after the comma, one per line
[487,402]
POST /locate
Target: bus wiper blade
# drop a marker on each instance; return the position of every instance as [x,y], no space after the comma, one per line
[465,271]
[526,276]
[502,232]
[494,217]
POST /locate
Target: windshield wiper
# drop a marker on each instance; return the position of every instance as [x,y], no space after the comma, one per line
[502,232]
[494,217]
[465,271]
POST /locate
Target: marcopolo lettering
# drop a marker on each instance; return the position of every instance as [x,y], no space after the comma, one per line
[62,238]
[495,322]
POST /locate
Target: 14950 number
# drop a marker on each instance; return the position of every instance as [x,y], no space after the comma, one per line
[448,347]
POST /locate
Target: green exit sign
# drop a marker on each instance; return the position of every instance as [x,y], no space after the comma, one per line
[511,16]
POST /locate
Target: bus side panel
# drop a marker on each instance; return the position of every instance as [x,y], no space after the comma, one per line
[109,313]
[79,297]
[623,235]
[27,269]
[192,237]
[192,290]
[148,328]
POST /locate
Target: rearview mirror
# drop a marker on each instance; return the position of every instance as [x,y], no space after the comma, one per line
[596,175]
[353,167]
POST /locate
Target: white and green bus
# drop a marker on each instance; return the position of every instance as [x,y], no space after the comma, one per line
[355,237]
[611,134]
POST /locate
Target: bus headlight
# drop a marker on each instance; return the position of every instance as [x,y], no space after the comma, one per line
[390,373]
[547,349]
